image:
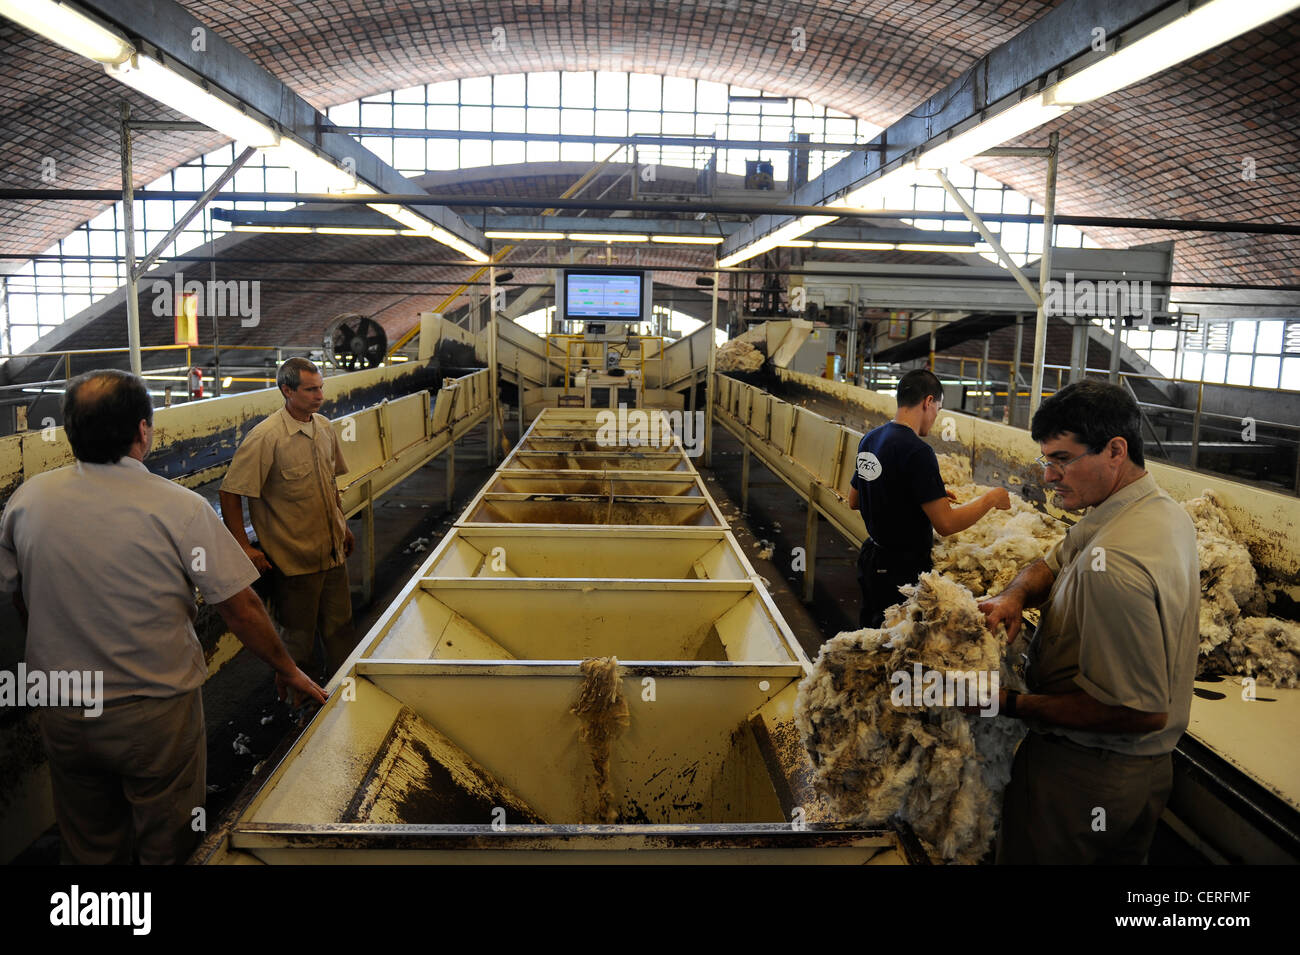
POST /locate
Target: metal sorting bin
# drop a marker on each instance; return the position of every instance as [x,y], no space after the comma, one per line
[449,736]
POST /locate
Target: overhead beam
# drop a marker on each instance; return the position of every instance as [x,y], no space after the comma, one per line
[167,31]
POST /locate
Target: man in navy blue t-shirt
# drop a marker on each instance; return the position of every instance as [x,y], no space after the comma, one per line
[902,498]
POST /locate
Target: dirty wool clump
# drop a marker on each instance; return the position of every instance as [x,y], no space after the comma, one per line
[941,770]
[738,355]
[987,556]
[1229,586]
[1265,648]
[601,708]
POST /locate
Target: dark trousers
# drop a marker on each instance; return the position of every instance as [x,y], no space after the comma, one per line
[128,781]
[1069,804]
[312,605]
[880,573]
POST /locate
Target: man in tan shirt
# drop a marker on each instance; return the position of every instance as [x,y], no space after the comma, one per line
[286,467]
[103,558]
[1112,665]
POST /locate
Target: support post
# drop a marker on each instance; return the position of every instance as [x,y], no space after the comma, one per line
[367,545]
[709,395]
[810,543]
[1044,276]
[986,380]
[128,234]
[1196,424]
[744,474]
[451,471]
[1013,387]
[493,385]
[1116,344]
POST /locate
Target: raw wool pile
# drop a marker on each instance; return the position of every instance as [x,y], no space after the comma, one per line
[987,556]
[1228,582]
[1265,648]
[1235,637]
[939,769]
[739,355]
[603,711]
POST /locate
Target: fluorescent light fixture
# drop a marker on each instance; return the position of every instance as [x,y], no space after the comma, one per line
[170,88]
[71,29]
[871,195]
[321,173]
[422,226]
[227,381]
[937,247]
[607,237]
[525,236]
[687,239]
[358,230]
[1029,113]
[798,244]
[781,236]
[866,246]
[290,229]
[1204,28]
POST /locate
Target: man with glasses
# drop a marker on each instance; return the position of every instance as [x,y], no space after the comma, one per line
[1111,667]
[897,487]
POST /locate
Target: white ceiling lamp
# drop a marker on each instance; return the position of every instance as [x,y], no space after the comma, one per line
[1029,113]
[873,194]
[71,29]
[153,79]
[607,237]
[781,236]
[525,236]
[687,239]
[422,226]
[317,173]
[860,246]
[1209,25]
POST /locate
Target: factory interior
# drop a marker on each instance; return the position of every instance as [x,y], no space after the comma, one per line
[605,297]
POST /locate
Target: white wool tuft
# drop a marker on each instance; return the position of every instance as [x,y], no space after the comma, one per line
[939,769]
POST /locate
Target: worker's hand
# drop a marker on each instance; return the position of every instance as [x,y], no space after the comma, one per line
[1005,609]
[304,687]
[1000,499]
[349,542]
[258,558]
[951,496]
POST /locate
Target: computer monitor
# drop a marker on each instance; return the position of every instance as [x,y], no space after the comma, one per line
[604,295]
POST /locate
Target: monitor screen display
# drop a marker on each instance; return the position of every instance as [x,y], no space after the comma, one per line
[612,295]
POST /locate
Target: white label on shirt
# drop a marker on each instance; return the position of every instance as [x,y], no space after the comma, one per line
[868,466]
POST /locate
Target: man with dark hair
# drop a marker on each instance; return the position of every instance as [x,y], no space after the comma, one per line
[103,558]
[286,467]
[903,501]
[1112,665]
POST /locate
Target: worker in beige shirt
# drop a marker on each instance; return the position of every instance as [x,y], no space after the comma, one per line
[286,467]
[1112,664]
[103,559]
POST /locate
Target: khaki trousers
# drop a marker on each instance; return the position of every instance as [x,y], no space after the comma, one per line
[307,605]
[128,779]
[1069,804]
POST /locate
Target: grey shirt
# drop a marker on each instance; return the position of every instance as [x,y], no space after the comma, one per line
[1122,622]
[108,557]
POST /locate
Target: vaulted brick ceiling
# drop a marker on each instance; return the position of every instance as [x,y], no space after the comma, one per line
[1170,147]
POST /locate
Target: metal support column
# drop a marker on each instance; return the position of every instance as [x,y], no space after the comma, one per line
[709,388]
[810,543]
[1196,424]
[128,234]
[1013,385]
[1044,275]
[744,475]
[1116,344]
[986,380]
[367,545]
[1078,349]
[494,386]
[451,473]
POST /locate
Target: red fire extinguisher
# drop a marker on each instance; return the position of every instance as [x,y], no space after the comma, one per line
[196,383]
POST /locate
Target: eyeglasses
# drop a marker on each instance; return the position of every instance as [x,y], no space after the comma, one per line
[1060,466]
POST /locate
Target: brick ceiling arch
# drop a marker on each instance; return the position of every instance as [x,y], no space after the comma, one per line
[1166,148]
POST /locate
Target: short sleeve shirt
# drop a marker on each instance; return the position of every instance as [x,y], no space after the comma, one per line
[287,469]
[896,473]
[108,557]
[1122,621]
